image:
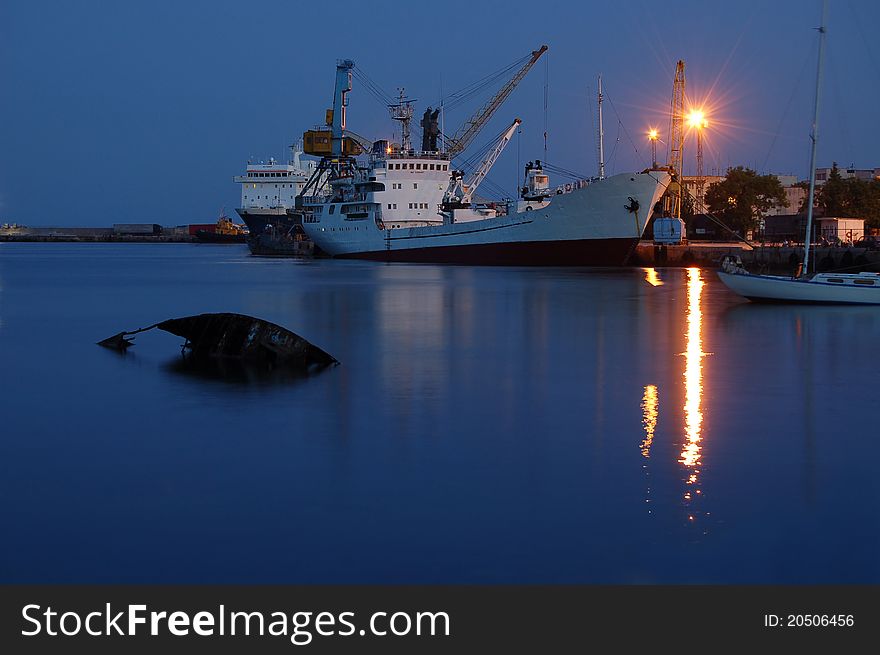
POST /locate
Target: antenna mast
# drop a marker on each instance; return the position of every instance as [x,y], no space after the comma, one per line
[403,112]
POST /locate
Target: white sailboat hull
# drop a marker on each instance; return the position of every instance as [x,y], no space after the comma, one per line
[818,289]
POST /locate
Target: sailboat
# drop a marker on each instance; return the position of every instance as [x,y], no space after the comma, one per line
[826,288]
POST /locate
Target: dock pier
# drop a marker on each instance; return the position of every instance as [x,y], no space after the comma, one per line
[760,258]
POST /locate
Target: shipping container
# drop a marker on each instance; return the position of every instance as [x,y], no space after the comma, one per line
[202,227]
[137,228]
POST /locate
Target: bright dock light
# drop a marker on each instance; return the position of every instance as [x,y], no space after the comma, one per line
[697,119]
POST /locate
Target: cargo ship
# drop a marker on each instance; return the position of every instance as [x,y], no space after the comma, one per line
[268,192]
[407,205]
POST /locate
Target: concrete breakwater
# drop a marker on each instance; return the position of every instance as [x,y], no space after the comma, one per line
[759,259]
[90,234]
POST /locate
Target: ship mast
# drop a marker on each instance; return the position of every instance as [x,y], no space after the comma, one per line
[403,112]
[814,135]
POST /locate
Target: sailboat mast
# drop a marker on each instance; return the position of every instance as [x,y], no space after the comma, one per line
[814,135]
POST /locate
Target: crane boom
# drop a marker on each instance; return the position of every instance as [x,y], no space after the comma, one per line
[460,193]
[480,174]
[457,143]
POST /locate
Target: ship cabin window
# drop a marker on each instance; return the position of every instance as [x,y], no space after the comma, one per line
[411,166]
[836,279]
[395,205]
[415,185]
[389,205]
[432,167]
[332,209]
[871,282]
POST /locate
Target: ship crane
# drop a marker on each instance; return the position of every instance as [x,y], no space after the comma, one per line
[460,193]
[457,143]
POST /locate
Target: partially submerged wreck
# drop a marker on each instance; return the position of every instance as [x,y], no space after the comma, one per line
[235,336]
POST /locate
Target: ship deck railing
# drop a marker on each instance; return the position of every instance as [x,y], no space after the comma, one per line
[413,154]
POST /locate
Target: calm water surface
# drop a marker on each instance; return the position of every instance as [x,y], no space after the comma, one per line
[485,425]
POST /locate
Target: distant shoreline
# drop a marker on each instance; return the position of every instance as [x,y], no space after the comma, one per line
[114,238]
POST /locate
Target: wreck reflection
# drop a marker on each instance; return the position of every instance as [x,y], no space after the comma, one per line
[235,372]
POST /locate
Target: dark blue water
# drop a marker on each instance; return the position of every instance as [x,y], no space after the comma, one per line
[485,425]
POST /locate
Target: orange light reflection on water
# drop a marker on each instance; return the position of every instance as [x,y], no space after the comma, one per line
[650,402]
[693,377]
[652,278]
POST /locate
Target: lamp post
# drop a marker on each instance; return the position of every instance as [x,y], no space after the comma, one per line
[653,135]
[697,120]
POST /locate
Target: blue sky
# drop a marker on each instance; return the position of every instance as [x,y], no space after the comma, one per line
[143,112]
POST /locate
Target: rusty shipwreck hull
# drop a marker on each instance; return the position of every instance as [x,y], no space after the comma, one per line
[236,336]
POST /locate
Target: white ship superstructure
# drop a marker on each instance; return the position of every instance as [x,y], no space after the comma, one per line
[269,190]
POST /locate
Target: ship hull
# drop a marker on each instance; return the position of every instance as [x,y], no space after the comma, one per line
[212,237]
[257,220]
[597,225]
[575,252]
[265,245]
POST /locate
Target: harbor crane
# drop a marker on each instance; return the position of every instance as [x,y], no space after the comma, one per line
[458,142]
[676,142]
[460,193]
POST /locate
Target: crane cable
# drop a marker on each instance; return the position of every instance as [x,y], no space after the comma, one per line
[454,99]
[372,87]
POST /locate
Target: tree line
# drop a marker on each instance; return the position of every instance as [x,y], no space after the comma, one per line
[744,197]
